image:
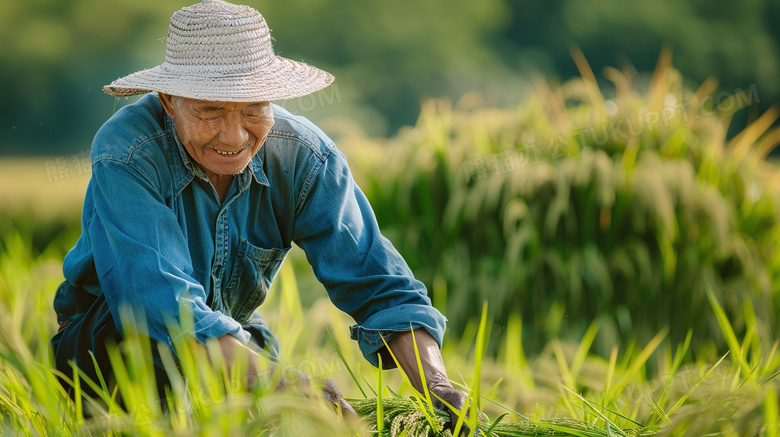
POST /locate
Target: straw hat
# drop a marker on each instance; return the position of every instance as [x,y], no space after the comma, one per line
[218,51]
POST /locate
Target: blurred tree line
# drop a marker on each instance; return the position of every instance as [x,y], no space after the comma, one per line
[387,56]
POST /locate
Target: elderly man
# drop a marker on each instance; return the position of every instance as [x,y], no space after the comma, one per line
[197,193]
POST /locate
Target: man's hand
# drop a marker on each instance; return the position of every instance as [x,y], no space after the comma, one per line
[403,348]
[290,377]
[456,399]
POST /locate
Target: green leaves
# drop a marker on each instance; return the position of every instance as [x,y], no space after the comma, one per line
[626,215]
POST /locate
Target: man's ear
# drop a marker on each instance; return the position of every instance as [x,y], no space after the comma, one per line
[167,104]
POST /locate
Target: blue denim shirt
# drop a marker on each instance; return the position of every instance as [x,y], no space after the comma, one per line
[155,234]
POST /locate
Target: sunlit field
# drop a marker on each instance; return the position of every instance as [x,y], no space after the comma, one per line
[612,396]
[624,287]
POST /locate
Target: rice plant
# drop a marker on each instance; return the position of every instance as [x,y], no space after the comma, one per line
[588,395]
[622,205]
[402,416]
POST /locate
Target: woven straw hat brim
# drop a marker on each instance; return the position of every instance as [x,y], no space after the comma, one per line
[218,51]
[285,79]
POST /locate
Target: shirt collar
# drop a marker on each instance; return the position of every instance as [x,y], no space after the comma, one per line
[185,168]
[256,167]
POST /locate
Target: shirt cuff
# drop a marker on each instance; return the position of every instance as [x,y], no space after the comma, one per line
[386,323]
[214,325]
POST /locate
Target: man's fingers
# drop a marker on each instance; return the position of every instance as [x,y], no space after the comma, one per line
[333,395]
[347,411]
[326,386]
[456,399]
[331,391]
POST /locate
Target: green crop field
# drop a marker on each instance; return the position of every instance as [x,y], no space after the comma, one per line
[600,278]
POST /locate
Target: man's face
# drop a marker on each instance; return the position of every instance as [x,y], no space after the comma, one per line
[220,136]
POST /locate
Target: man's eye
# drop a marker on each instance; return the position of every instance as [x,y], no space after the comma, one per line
[256,112]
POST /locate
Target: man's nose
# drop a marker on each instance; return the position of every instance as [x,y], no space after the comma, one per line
[234,132]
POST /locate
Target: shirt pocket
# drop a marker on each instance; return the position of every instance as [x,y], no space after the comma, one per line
[253,273]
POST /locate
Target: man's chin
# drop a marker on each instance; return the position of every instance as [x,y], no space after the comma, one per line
[229,171]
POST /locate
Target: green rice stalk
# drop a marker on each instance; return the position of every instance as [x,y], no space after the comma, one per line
[402,415]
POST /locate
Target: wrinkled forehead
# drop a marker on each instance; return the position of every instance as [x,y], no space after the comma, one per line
[209,105]
[214,105]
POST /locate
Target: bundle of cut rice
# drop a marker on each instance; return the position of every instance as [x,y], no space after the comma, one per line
[405,417]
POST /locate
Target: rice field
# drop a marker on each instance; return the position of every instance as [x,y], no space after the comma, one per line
[564,390]
[629,288]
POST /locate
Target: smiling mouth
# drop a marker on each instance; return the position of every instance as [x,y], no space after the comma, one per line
[228,153]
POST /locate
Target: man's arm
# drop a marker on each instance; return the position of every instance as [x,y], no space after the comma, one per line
[403,347]
[364,274]
[141,253]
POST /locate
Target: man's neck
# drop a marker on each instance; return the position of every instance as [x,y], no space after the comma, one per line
[221,183]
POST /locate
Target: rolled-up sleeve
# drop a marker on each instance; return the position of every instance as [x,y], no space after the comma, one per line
[141,254]
[364,274]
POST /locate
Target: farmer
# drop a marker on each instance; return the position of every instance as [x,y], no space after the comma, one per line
[198,191]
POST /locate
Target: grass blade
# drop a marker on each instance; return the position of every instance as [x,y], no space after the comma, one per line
[771,413]
[682,400]
[593,408]
[346,364]
[728,332]
[380,411]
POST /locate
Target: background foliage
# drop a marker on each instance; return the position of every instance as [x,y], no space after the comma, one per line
[387,56]
[575,208]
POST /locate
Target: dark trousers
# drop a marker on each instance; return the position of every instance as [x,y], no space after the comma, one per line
[95,330]
[93,333]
